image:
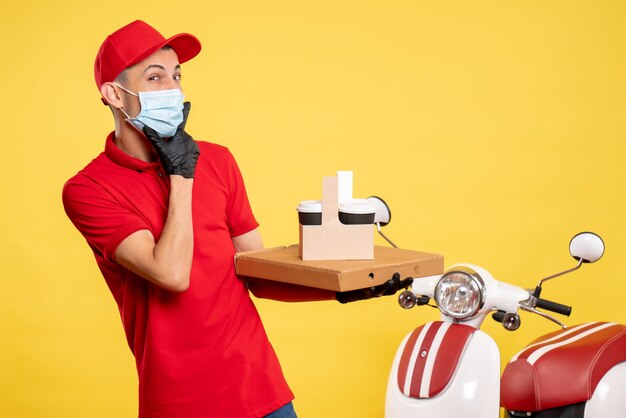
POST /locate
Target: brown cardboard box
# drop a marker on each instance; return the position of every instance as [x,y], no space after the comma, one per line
[284,264]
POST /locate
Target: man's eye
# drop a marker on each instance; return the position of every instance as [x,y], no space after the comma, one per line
[177,77]
[153,78]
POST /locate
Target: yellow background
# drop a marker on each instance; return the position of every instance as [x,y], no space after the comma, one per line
[493,128]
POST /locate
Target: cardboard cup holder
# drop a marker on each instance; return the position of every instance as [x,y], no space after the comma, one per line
[345,230]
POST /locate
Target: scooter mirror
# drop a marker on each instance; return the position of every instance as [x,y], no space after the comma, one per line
[587,247]
[383,214]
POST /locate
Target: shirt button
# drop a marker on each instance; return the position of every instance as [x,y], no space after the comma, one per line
[160,174]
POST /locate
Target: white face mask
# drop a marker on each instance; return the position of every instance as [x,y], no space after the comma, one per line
[161,110]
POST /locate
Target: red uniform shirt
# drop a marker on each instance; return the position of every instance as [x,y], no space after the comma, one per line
[202,352]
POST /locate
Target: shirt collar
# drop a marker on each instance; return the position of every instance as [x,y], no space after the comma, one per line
[121,158]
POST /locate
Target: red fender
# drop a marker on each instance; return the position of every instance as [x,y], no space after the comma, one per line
[430,357]
[563,367]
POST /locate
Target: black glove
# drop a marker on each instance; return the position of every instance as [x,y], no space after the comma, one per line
[179,153]
[390,287]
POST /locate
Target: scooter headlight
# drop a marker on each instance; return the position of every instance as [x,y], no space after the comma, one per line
[460,293]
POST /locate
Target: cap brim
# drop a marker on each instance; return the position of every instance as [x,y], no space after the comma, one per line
[185,45]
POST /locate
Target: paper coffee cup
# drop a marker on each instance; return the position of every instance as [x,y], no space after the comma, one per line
[310,212]
[356,212]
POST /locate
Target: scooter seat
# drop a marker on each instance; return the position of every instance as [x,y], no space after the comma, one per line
[563,367]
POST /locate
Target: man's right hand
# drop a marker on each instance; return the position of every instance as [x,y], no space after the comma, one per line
[179,153]
[389,288]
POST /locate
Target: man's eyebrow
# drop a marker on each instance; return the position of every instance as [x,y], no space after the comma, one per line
[160,67]
[154,66]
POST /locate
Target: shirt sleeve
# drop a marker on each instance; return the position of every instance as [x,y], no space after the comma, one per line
[238,211]
[102,221]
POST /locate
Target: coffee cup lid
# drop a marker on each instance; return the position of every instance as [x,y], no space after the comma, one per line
[310,206]
[357,206]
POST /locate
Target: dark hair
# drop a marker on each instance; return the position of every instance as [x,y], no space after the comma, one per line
[122,78]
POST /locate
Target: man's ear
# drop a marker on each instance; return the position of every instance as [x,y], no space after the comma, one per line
[111,95]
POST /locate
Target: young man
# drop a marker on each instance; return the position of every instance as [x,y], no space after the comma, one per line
[164,216]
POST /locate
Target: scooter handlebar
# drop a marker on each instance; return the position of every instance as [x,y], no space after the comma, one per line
[554,307]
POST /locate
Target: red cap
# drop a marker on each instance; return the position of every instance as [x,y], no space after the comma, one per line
[136,42]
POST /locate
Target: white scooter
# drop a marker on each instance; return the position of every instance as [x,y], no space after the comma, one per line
[450,368]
